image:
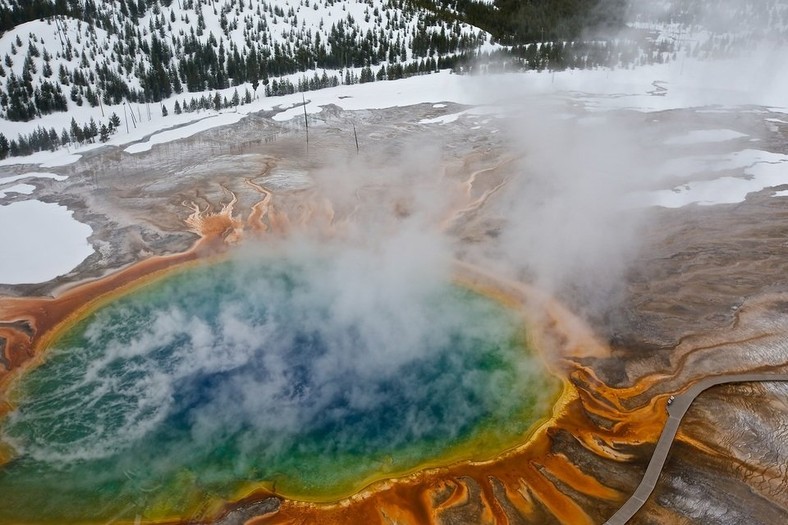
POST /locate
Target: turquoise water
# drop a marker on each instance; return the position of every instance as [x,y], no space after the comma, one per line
[277,371]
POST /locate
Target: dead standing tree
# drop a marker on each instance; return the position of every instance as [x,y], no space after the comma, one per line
[306,122]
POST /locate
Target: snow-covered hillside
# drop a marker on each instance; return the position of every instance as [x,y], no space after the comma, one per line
[78,70]
[713,28]
[146,52]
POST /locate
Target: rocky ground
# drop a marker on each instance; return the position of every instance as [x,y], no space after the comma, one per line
[673,295]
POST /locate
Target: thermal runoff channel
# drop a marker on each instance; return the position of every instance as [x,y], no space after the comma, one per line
[263,371]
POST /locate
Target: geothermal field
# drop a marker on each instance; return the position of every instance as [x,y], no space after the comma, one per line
[446,299]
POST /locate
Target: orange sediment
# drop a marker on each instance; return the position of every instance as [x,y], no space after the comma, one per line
[29,324]
[528,479]
[526,474]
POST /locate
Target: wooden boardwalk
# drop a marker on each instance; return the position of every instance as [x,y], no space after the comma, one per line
[676,411]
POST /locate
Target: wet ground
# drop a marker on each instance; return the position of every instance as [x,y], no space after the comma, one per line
[534,195]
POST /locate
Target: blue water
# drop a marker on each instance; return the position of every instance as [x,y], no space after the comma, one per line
[263,370]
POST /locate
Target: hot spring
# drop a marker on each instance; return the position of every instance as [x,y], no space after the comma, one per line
[267,371]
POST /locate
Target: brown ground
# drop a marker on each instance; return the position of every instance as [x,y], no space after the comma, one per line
[707,293]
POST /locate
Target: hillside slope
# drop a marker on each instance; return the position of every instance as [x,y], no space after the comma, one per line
[69,67]
[90,53]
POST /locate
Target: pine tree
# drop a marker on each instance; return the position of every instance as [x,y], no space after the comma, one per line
[177,108]
[177,87]
[5,148]
[104,133]
[76,131]
[114,120]
[62,75]
[24,145]
[366,75]
[28,70]
[253,70]
[164,112]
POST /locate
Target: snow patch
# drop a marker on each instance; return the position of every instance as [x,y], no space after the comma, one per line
[705,136]
[45,159]
[441,86]
[7,183]
[725,190]
[23,189]
[687,166]
[453,117]
[183,132]
[32,175]
[45,240]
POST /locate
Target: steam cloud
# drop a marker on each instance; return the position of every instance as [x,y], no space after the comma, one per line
[567,224]
[575,211]
[346,333]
